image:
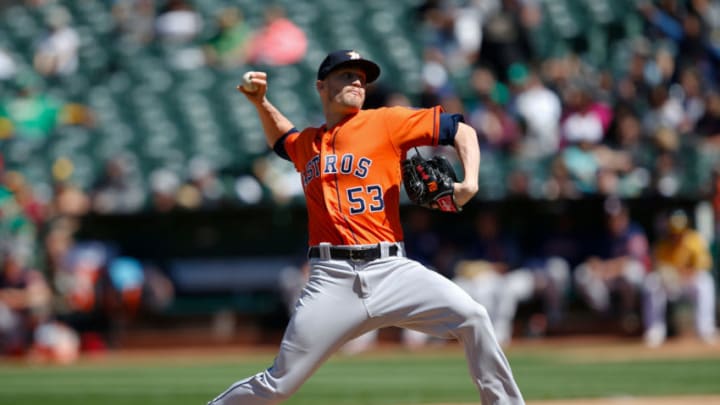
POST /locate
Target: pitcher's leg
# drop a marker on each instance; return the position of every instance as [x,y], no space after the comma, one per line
[329,313]
[486,361]
[443,309]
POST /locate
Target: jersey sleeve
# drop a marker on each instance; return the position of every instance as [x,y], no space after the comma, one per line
[280,147]
[409,127]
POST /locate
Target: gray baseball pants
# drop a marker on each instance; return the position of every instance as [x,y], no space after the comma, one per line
[344,299]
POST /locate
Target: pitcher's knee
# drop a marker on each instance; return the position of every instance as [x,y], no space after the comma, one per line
[475,323]
[478,316]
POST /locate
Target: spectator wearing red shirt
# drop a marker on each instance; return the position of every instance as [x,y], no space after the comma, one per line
[279,42]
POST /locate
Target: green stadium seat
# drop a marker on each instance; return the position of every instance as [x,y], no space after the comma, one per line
[492,176]
[113,138]
[96,15]
[23,29]
[600,11]
[164,116]
[562,21]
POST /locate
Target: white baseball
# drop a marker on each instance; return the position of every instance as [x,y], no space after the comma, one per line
[248,85]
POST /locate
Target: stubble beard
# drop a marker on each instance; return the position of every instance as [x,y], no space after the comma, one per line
[344,102]
[351,101]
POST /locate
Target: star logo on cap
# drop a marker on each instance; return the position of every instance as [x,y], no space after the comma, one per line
[353,55]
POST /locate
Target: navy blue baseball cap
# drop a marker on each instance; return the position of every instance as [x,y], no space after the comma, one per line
[348,58]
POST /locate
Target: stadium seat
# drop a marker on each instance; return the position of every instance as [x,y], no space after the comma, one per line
[149,107]
[562,21]
[492,176]
[23,28]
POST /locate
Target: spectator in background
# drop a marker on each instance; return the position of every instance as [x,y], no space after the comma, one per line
[18,231]
[690,95]
[56,54]
[496,128]
[580,165]
[164,186]
[629,153]
[29,113]
[682,264]
[709,12]
[227,48]
[436,84]
[203,178]
[631,86]
[24,292]
[495,273]
[84,289]
[135,20]
[669,165]
[715,196]
[456,30]
[664,112]
[278,178]
[505,37]
[8,65]
[588,161]
[178,26]
[681,24]
[561,238]
[626,136]
[436,20]
[178,22]
[32,207]
[560,183]
[68,201]
[25,299]
[708,126]
[539,110]
[116,191]
[585,118]
[72,277]
[278,42]
[618,262]
[695,49]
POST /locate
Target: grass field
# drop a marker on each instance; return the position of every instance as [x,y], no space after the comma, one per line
[390,376]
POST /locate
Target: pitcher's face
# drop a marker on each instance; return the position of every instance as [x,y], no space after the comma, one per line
[343,89]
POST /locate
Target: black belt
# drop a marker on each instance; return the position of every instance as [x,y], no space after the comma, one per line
[354,253]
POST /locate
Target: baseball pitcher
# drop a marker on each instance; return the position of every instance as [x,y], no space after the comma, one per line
[351,169]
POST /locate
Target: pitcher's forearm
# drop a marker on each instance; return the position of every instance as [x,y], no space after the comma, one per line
[274,123]
[468,150]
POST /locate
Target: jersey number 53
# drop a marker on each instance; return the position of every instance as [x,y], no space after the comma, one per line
[365,198]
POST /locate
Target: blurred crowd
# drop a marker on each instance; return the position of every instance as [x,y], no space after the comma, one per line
[625,279]
[568,123]
[632,111]
[59,295]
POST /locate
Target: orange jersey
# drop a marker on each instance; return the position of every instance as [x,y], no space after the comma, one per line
[351,172]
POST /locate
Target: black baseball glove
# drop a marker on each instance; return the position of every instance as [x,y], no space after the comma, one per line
[430,182]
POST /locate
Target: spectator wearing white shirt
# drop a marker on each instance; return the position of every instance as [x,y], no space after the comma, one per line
[8,66]
[540,109]
[57,52]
